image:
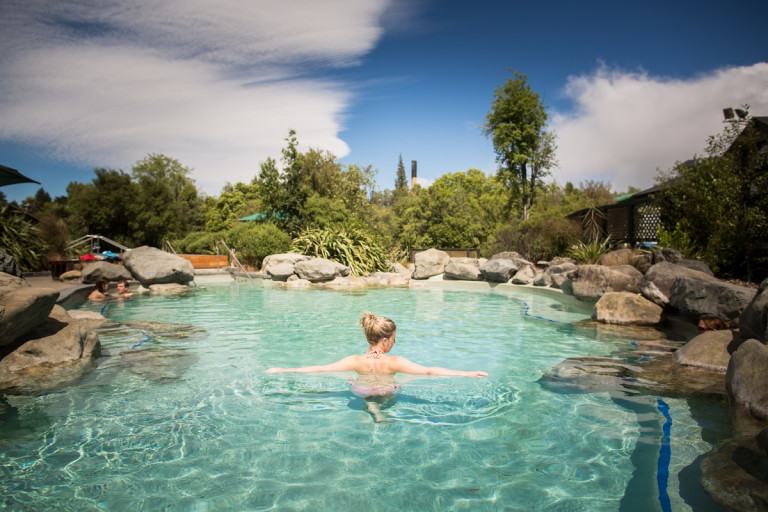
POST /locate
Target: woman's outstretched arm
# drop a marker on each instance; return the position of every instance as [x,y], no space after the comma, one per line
[346,364]
[403,365]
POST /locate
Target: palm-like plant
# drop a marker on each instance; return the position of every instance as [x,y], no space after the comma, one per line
[21,238]
[352,247]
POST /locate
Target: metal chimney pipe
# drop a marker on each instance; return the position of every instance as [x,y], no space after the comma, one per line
[413,173]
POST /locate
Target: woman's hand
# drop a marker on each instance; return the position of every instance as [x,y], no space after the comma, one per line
[274,370]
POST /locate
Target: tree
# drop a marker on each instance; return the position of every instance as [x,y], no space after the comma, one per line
[107,206]
[170,204]
[524,150]
[268,187]
[719,203]
[293,183]
[401,183]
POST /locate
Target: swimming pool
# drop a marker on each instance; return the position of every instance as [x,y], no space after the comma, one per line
[183,417]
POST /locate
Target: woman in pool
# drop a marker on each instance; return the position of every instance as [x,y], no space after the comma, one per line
[376,370]
[101,292]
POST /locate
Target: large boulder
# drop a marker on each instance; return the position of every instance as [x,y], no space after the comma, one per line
[290,258]
[22,307]
[593,281]
[624,308]
[753,322]
[463,269]
[281,271]
[316,270]
[45,351]
[109,271]
[555,274]
[667,254]
[708,351]
[149,266]
[694,297]
[621,257]
[430,263]
[499,270]
[746,380]
[525,275]
[656,284]
[735,475]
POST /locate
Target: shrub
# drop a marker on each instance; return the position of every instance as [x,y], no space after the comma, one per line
[200,242]
[589,252]
[22,240]
[353,247]
[537,239]
[254,242]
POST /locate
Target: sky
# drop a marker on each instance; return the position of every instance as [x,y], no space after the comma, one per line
[631,87]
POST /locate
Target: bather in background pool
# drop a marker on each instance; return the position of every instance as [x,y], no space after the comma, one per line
[185,419]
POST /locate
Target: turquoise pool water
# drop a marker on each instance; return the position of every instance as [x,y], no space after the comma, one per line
[183,418]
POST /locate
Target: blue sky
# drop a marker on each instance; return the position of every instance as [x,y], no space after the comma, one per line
[632,87]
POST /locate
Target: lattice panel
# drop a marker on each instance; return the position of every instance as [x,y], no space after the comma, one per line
[647,218]
[618,223]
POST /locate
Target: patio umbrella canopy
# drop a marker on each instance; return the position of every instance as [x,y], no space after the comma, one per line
[10,176]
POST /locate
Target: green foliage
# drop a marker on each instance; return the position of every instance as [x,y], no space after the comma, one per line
[199,242]
[20,238]
[253,242]
[353,247]
[235,202]
[677,239]
[169,205]
[589,252]
[524,150]
[720,202]
[537,239]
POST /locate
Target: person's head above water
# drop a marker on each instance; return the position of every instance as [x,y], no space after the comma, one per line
[377,327]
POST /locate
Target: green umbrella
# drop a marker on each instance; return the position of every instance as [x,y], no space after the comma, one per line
[10,176]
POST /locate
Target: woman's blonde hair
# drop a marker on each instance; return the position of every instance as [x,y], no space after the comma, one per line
[377,327]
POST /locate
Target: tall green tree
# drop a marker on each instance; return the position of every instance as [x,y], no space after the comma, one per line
[110,206]
[294,185]
[170,204]
[525,151]
[268,187]
[401,182]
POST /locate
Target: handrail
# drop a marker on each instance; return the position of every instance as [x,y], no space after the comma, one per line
[89,238]
[168,243]
[234,258]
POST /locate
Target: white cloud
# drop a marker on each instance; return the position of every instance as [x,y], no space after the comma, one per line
[216,85]
[625,126]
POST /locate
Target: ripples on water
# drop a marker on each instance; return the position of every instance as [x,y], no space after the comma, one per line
[183,418]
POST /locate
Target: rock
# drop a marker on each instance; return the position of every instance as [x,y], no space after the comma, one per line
[696,265]
[389,279]
[694,297]
[149,266]
[746,379]
[400,269]
[547,278]
[656,284]
[753,322]
[499,270]
[297,283]
[316,270]
[22,308]
[708,351]
[110,271]
[168,289]
[508,255]
[736,475]
[8,265]
[592,281]
[158,364]
[58,341]
[430,263]
[762,440]
[71,275]
[665,254]
[626,308]
[90,316]
[464,269]
[621,257]
[281,271]
[525,275]
[278,259]
[560,260]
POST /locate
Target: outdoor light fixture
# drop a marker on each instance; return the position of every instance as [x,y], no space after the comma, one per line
[741,113]
[728,113]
